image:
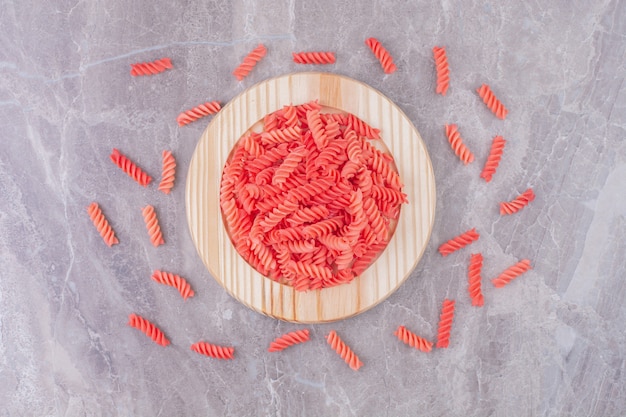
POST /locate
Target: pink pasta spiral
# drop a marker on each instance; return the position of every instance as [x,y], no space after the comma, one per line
[443,72]
[289,339]
[343,350]
[168,172]
[150,68]
[152,331]
[249,62]
[511,273]
[445,323]
[314,58]
[213,351]
[474,279]
[102,224]
[492,101]
[152,224]
[413,340]
[173,280]
[458,242]
[362,128]
[386,61]
[517,203]
[130,168]
[493,160]
[202,110]
[289,164]
[456,142]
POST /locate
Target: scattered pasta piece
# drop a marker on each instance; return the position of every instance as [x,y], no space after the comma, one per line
[289,339]
[474,280]
[445,323]
[150,68]
[456,142]
[385,58]
[152,331]
[102,224]
[152,224]
[343,350]
[458,242]
[511,273]
[318,58]
[443,72]
[202,110]
[168,172]
[249,62]
[518,203]
[213,351]
[130,168]
[173,280]
[492,102]
[493,160]
[413,340]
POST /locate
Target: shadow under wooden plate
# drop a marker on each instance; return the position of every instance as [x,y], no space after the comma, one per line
[262,294]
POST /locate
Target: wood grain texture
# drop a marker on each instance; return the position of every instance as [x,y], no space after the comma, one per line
[269,297]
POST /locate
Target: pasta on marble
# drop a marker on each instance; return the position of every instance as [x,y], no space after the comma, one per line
[201,110]
[152,331]
[152,224]
[150,68]
[289,339]
[173,280]
[379,51]
[102,224]
[249,62]
[343,350]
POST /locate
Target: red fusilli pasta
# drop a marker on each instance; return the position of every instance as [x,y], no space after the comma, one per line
[213,351]
[492,101]
[443,72]
[152,331]
[493,160]
[511,273]
[168,172]
[314,58]
[445,323]
[456,142]
[517,203]
[152,224]
[474,280]
[458,242]
[343,350]
[202,110]
[173,280]
[150,68]
[386,61]
[130,168]
[102,224]
[249,62]
[413,340]
[289,339]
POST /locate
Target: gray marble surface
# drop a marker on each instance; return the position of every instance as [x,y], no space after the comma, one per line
[552,343]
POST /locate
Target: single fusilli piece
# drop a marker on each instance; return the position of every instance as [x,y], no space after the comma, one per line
[493,160]
[148,328]
[443,72]
[492,101]
[511,273]
[130,168]
[150,68]
[445,323]
[102,224]
[173,280]
[214,351]
[343,350]
[518,203]
[289,339]
[456,142]
[474,279]
[152,224]
[314,58]
[202,110]
[458,242]
[168,172]
[386,61]
[413,340]
[249,62]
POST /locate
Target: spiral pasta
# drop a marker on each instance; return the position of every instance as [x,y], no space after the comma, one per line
[168,172]
[361,128]
[496,107]
[493,160]
[152,224]
[152,331]
[517,203]
[173,280]
[201,110]
[443,71]
[445,323]
[456,142]
[474,279]
[213,351]
[408,337]
[511,273]
[249,62]
[314,58]
[130,168]
[102,224]
[289,339]
[385,58]
[150,68]
[458,242]
[343,350]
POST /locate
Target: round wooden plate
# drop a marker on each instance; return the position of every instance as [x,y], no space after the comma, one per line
[262,294]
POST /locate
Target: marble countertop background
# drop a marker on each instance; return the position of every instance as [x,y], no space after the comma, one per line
[552,343]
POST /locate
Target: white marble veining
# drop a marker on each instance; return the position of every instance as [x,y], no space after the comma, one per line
[552,343]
